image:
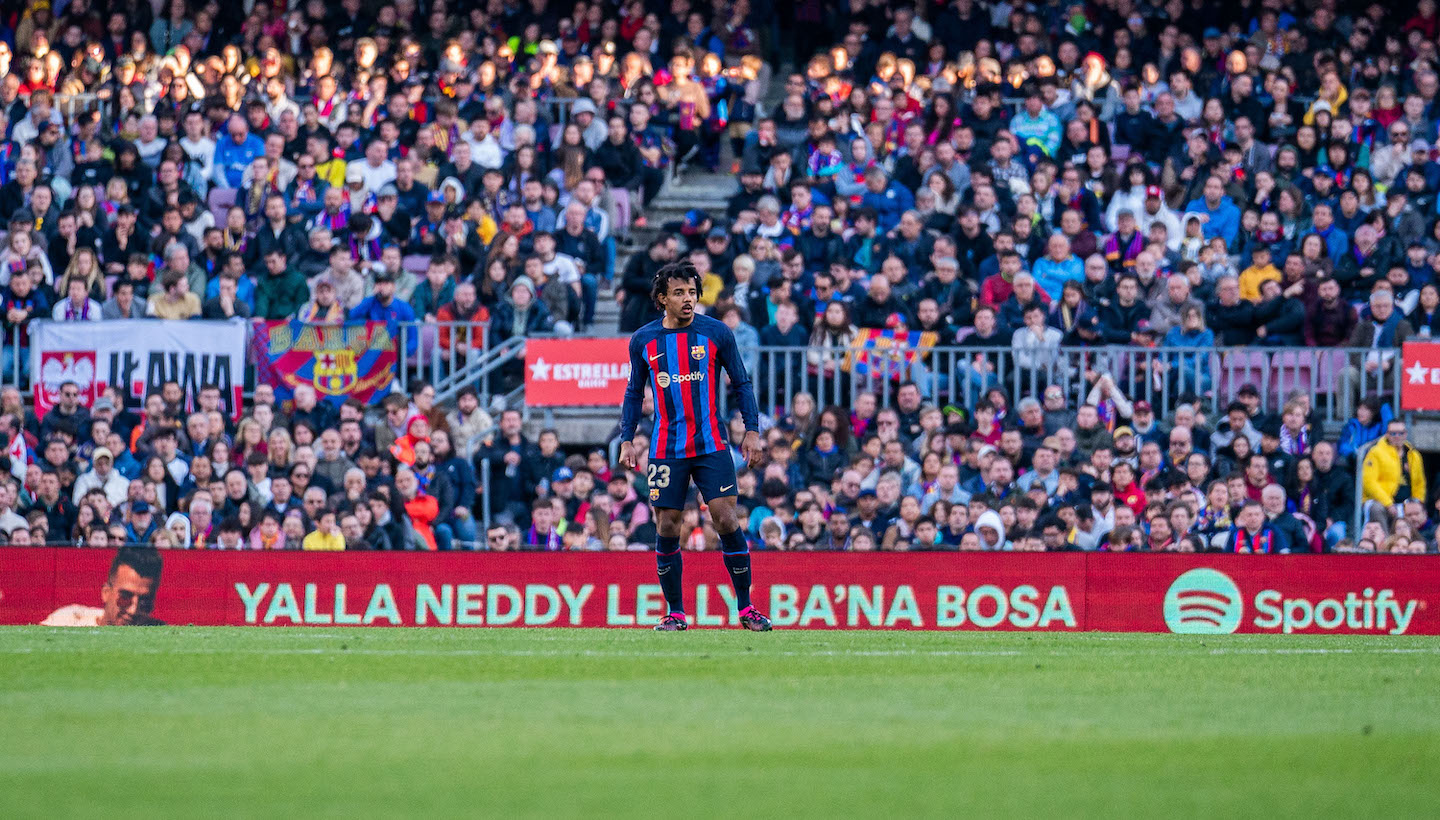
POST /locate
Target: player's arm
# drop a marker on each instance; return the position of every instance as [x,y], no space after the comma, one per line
[634,398]
[740,383]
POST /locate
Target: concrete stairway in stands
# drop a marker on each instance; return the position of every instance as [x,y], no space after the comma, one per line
[695,189]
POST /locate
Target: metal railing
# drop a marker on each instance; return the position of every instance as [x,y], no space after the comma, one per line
[448,355]
[1335,378]
[71,104]
[452,355]
[442,353]
[1358,516]
[14,359]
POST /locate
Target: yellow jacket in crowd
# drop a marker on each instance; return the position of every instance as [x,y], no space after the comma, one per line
[1380,475]
[319,541]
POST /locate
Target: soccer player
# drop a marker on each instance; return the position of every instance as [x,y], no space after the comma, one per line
[680,356]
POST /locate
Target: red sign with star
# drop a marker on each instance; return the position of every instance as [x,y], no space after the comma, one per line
[576,372]
[1420,382]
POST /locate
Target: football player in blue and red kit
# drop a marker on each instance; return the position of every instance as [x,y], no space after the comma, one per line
[680,356]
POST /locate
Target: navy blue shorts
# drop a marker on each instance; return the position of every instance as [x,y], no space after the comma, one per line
[713,474]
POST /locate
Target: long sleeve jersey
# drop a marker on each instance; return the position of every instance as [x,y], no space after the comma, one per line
[682,367]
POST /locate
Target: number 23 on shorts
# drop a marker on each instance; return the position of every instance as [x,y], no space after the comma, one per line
[658,476]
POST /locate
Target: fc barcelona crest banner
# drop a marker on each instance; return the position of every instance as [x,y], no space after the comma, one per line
[344,361]
[884,353]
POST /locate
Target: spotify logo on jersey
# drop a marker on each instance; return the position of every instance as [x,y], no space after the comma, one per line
[1203,602]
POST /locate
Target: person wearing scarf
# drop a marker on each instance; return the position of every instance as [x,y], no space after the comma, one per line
[363,238]
[1125,244]
[268,535]
[1252,533]
[1294,432]
[78,307]
[542,534]
[335,220]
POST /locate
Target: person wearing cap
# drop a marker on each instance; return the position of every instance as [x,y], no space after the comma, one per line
[1124,444]
[1154,211]
[427,234]
[140,522]
[562,484]
[586,117]
[354,194]
[1422,162]
[521,314]
[1144,425]
[104,476]
[382,305]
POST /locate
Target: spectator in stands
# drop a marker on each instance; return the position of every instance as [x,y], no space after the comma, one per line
[1381,333]
[900,188]
[1391,474]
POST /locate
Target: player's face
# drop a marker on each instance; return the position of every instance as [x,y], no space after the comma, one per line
[680,300]
[127,597]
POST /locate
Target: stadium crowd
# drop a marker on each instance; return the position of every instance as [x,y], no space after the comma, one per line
[1020,181]
[1024,182]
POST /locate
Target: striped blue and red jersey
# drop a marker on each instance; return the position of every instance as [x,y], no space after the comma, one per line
[682,368]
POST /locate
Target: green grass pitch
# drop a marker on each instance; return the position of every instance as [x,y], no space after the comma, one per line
[197,722]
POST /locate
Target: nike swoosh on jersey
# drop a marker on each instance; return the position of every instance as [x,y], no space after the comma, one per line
[656,356]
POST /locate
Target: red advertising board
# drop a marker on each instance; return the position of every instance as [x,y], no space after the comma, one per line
[1420,381]
[576,372]
[1192,594]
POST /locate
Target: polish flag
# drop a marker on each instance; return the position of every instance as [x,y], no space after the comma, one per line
[19,455]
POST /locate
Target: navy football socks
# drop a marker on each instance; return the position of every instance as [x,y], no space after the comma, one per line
[668,565]
[737,562]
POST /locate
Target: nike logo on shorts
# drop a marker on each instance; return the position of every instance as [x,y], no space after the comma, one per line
[723,489]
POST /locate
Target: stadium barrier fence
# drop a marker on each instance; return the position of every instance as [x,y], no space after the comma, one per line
[1334,378]
[1207,594]
[454,355]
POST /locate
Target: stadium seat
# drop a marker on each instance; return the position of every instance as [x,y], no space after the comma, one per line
[220,201]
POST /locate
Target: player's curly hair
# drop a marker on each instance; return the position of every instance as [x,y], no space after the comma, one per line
[681,270]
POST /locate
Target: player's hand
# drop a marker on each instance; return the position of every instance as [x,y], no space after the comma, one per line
[750,448]
[627,454]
